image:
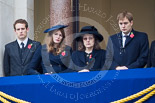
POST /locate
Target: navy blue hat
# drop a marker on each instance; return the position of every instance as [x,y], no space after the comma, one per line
[89,30]
[55,28]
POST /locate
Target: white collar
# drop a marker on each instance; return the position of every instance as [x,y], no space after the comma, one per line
[125,34]
[25,42]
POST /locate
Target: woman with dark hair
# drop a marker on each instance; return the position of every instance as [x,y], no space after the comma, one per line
[54,56]
[90,56]
[151,58]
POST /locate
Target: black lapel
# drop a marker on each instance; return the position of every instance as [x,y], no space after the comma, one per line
[16,50]
[27,50]
[92,60]
[94,53]
[128,39]
[81,56]
[118,41]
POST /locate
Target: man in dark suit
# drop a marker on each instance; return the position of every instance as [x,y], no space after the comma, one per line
[18,53]
[151,58]
[127,49]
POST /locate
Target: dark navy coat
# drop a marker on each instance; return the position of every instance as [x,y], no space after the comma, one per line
[79,60]
[133,55]
[151,58]
[12,63]
[49,62]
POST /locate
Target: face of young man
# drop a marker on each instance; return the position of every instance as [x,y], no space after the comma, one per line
[125,25]
[21,31]
[57,37]
[88,40]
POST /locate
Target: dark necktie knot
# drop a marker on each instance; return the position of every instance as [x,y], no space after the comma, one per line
[125,36]
[22,45]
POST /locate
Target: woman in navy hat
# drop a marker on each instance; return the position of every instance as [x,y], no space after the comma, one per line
[54,56]
[89,56]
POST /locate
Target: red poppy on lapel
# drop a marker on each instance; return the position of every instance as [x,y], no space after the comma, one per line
[132,35]
[29,46]
[63,53]
[90,56]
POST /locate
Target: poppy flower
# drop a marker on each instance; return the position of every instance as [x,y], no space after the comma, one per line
[132,35]
[90,56]
[29,46]
[63,53]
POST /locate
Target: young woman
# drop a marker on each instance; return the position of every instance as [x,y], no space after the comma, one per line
[89,56]
[54,56]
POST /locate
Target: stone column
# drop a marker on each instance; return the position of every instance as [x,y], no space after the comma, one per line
[61,13]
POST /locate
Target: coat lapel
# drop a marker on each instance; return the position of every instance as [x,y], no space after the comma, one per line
[119,42]
[16,50]
[27,51]
[81,56]
[93,59]
[129,39]
[94,53]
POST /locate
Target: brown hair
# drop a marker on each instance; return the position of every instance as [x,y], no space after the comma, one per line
[22,21]
[81,46]
[124,14]
[50,43]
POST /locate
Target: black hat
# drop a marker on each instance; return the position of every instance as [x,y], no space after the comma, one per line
[89,30]
[55,28]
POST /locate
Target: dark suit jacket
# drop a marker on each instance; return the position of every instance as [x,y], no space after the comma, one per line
[133,55]
[12,63]
[49,62]
[151,58]
[79,60]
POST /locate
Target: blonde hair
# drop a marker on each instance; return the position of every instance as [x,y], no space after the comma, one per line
[124,14]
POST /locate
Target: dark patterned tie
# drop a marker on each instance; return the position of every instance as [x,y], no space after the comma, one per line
[22,50]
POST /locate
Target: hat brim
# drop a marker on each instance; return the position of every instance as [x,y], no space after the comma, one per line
[97,35]
[55,28]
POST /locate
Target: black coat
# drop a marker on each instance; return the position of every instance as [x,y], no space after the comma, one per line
[12,63]
[133,55]
[151,58]
[79,60]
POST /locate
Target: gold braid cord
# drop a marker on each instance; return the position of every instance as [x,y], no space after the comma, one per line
[138,95]
[4,100]
[10,98]
[146,97]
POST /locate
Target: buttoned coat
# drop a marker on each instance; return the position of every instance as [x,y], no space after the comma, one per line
[133,55]
[50,63]
[79,60]
[13,64]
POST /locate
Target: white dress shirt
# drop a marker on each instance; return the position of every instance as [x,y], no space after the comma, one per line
[124,38]
[25,42]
